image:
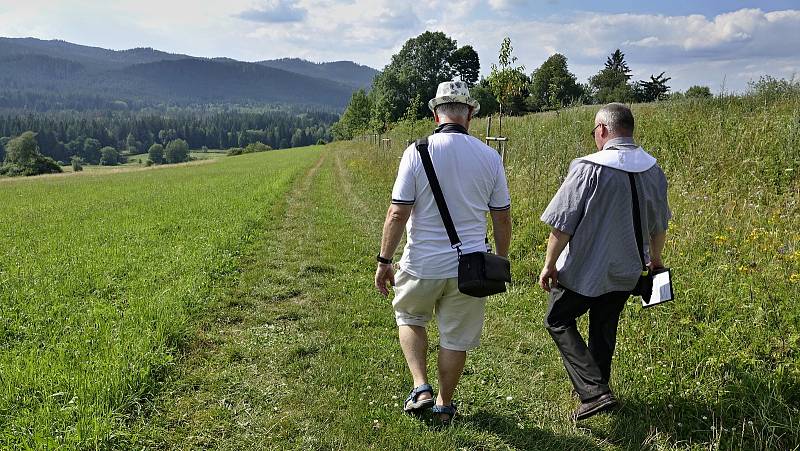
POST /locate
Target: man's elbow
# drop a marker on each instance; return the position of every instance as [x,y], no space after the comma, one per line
[399,213]
[559,234]
[501,218]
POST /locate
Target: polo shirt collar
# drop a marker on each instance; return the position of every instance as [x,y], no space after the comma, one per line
[451,128]
[620,142]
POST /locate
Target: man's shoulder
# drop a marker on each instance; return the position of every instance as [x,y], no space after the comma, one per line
[476,146]
[581,165]
[452,138]
[657,175]
[410,156]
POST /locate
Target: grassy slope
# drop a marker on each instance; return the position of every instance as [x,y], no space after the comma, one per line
[99,276]
[721,365]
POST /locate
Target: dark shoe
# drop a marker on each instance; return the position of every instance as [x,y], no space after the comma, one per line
[589,408]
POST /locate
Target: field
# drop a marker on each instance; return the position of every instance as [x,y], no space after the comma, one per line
[99,277]
[230,305]
[140,160]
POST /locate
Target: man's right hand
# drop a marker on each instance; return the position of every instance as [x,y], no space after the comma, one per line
[548,279]
[384,276]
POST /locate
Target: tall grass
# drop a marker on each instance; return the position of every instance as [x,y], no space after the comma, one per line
[720,366]
[100,275]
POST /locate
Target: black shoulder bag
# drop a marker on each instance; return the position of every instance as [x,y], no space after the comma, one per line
[480,274]
[644,287]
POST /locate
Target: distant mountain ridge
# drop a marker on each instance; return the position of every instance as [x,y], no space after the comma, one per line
[37,74]
[346,72]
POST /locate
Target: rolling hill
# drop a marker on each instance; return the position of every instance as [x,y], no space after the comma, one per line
[44,75]
[346,72]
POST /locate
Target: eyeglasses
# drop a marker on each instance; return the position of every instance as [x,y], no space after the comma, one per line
[591,133]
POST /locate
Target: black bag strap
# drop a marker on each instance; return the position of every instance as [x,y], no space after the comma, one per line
[637,222]
[422,148]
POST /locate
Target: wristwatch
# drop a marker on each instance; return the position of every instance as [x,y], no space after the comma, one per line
[385,261]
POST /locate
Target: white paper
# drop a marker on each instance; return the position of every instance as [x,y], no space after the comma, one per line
[662,289]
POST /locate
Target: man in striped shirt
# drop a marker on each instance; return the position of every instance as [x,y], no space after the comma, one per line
[592,262]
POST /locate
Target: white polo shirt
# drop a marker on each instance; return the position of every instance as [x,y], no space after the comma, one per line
[473,182]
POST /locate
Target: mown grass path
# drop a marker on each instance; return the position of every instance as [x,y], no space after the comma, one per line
[305,354]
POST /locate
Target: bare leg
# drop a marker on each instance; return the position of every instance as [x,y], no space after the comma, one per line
[451,365]
[414,342]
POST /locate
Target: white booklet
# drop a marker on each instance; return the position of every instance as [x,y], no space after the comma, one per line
[662,288]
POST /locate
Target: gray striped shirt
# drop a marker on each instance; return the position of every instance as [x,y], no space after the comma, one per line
[594,206]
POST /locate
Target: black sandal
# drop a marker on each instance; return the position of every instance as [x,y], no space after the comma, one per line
[445,410]
[411,404]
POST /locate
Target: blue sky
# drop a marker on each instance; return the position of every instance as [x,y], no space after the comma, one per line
[715,43]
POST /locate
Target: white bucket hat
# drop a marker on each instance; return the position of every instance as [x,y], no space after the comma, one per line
[454,92]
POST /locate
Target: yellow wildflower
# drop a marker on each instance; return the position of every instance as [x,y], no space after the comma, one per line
[794,278]
[721,239]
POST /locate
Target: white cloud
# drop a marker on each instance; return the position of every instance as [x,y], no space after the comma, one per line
[505,4]
[274,11]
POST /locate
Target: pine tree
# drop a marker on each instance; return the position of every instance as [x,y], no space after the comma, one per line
[616,62]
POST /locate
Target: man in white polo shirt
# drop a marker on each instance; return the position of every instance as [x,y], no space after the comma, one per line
[473,182]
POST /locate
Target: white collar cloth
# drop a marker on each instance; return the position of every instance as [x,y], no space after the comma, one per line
[622,154]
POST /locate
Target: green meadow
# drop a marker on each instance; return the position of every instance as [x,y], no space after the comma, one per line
[100,276]
[229,305]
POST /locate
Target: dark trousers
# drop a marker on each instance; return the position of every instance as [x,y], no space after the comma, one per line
[589,367]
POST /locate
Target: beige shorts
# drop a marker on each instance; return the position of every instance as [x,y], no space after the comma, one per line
[460,317]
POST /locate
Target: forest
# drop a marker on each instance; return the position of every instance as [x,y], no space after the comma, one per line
[61,135]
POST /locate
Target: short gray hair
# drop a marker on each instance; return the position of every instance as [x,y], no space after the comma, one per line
[617,117]
[453,110]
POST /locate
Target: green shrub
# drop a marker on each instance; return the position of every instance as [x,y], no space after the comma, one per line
[23,158]
[77,163]
[177,151]
[256,147]
[156,154]
[109,156]
[251,148]
[698,92]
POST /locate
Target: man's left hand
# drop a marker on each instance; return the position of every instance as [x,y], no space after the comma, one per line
[548,279]
[384,275]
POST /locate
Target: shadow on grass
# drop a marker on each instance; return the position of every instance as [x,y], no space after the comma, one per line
[507,428]
[753,411]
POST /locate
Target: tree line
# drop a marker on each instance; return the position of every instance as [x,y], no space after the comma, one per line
[90,135]
[404,86]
